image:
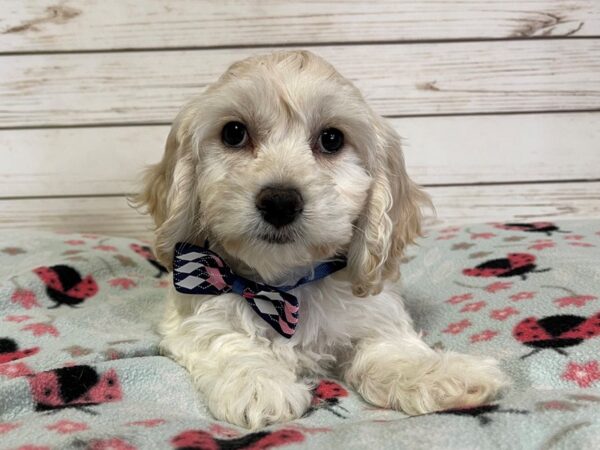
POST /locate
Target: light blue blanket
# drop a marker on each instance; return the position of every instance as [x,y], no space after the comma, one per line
[79,366]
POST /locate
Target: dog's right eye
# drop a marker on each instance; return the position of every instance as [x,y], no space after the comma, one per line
[234,134]
[331,140]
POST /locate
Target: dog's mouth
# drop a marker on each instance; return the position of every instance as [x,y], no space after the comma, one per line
[280,237]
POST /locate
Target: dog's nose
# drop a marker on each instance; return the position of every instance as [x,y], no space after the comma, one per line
[279,205]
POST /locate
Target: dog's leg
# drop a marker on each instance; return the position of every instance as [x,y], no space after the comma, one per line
[247,381]
[401,372]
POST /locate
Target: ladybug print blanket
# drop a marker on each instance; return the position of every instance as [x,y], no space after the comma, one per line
[80,367]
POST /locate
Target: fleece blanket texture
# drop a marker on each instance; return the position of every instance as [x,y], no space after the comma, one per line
[79,362]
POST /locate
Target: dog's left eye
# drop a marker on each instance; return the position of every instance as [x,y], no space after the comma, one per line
[234,134]
[331,140]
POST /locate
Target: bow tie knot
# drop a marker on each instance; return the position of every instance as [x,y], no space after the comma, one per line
[197,270]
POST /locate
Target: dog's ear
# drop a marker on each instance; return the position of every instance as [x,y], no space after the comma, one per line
[391,218]
[167,190]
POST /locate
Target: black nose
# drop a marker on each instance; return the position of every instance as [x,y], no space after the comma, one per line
[279,205]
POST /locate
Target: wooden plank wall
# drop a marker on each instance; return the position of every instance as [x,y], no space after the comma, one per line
[498,101]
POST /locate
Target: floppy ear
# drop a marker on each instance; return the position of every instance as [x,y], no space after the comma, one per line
[391,218]
[168,189]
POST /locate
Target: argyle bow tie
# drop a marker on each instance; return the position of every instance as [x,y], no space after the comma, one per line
[197,270]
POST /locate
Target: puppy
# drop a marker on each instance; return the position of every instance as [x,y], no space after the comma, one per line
[277,167]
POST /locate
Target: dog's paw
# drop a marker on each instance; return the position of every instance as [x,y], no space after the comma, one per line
[453,380]
[257,402]
[435,382]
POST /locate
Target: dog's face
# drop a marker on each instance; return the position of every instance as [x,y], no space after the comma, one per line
[282,164]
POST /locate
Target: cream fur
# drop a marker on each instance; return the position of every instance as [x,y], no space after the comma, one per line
[359,202]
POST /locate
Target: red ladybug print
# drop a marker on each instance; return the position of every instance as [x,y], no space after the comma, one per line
[145,252]
[515,264]
[327,395]
[481,412]
[76,386]
[533,227]
[201,440]
[9,351]
[556,332]
[65,286]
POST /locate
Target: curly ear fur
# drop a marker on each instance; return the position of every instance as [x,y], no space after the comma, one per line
[167,190]
[391,219]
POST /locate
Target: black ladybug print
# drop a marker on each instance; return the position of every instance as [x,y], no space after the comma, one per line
[515,264]
[65,286]
[9,350]
[533,227]
[481,412]
[201,440]
[145,252]
[75,386]
[556,332]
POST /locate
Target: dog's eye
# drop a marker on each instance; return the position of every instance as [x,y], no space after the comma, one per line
[234,134]
[331,140]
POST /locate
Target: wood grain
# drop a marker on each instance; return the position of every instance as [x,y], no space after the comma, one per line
[398,80]
[484,149]
[455,205]
[105,215]
[438,150]
[516,202]
[49,25]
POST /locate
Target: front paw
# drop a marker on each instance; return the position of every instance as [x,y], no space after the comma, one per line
[434,382]
[255,402]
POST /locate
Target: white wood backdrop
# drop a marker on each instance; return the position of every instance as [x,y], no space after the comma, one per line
[498,101]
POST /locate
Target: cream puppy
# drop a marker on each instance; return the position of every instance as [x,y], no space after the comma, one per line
[281,165]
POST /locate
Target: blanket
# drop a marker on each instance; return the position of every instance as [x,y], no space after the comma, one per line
[80,367]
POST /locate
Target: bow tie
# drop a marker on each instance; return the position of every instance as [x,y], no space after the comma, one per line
[197,270]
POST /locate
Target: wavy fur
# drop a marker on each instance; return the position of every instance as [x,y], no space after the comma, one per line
[359,202]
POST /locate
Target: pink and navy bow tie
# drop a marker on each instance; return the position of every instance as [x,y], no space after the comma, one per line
[197,270]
